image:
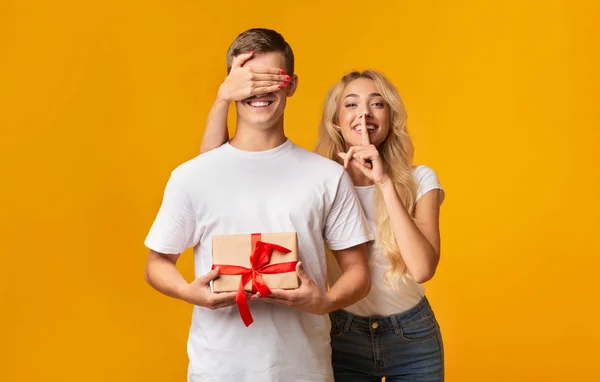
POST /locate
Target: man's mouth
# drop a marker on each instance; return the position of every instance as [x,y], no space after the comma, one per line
[259,104]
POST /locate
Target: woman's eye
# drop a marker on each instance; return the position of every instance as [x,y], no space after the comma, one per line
[350,105]
[378,104]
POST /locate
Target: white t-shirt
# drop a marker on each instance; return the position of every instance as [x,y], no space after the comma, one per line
[229,191]
[382,300]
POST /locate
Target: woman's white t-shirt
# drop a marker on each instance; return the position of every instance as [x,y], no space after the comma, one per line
[383,300]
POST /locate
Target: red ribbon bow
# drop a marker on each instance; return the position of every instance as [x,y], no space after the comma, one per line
[259,261]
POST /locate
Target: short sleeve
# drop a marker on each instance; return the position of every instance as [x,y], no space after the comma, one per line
[346,224]
[427,180]
[173,229]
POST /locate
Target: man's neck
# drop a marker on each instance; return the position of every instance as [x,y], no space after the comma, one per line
[249,138]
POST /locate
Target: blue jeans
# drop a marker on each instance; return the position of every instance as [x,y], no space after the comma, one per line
[401,347]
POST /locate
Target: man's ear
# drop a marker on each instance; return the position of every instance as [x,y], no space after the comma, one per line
[291,88]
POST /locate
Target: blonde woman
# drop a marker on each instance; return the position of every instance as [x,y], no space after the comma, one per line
[392,332]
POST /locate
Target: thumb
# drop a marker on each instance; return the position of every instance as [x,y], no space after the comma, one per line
[302,273]
[240,59]
[208,277]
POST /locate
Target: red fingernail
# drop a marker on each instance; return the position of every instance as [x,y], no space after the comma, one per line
[283,72]
[287,78]
[285,83]
[278,86]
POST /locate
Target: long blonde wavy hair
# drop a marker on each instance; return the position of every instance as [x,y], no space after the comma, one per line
[396,152]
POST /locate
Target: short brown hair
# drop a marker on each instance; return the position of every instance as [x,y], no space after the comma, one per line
[260,40]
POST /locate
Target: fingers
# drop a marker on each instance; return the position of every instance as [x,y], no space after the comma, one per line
[360,163]
[240,59]
[277,301]
[349,155]
[255,76]
[266,70]
[281,297]
[365,131]
[283,294]
[265,90]
[221,300]
[208,277]
[264,84]
[220,305]
[355,154]
[355,160]
[256,296]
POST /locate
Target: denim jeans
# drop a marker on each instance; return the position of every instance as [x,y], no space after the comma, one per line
[401,347]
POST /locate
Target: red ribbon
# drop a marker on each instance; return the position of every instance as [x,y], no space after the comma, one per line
[259,261]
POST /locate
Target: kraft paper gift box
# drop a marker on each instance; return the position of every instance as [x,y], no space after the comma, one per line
[233,252]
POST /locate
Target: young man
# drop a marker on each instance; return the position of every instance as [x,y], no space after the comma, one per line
[261,182]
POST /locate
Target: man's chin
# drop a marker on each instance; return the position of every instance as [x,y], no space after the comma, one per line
[260,121]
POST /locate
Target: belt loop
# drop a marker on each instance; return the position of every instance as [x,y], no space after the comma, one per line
[348,321]
[395,324]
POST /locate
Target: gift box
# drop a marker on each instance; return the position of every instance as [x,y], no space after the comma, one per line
[236,250]
[255,262]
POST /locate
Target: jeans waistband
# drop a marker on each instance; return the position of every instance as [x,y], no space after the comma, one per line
[383,324]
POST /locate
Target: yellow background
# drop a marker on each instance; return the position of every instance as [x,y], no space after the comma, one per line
[100,100]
